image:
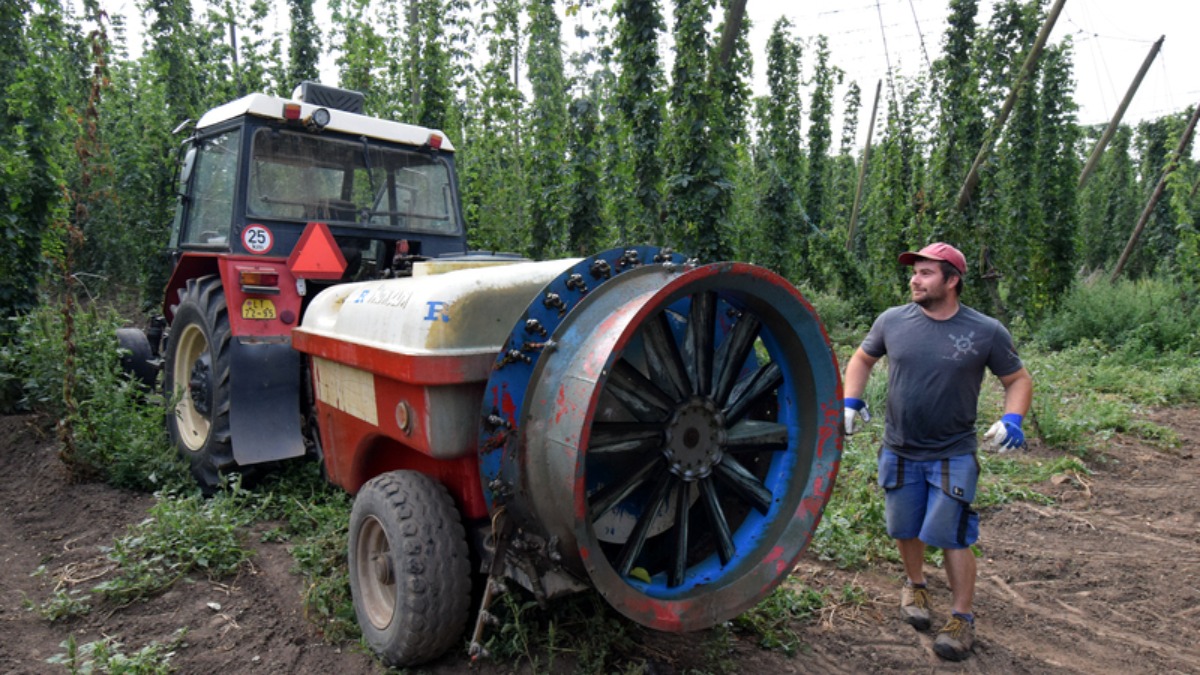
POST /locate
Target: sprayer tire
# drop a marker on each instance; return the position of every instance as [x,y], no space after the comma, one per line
[196,376]
[410,573]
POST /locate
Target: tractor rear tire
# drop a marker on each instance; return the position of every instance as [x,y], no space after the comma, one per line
[410,573]
[196,375]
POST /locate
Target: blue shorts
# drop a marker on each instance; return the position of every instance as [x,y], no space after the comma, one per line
[930,500]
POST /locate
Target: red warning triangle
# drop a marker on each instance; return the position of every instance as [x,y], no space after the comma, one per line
[317,255]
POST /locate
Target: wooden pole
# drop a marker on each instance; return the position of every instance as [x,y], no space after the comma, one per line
[1113,124]
[414,18]
[862,170]
[733,25]
[233,50]
[1172,164]
[968,188]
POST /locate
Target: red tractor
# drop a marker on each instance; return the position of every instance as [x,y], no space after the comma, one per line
[664,432]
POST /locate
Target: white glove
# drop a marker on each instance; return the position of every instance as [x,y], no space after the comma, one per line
[1006,434]
[855,408]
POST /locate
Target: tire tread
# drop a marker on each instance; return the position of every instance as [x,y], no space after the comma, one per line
[207,297]
[422,522]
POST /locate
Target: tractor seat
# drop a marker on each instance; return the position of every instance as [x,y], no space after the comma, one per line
[337,210]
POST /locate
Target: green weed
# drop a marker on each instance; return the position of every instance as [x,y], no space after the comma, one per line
[853,595]
[772,619]
[117,428]
[1157,435]
[718,652]
[184,534]
[580,630]
[106,656]
[841,317]
[123,438]
[1085,394]
[63,604]
[853,531]
[1002,481]
[1142,318]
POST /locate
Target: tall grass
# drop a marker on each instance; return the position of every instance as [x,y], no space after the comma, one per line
[1110,351]
[1135,318]
[118,426]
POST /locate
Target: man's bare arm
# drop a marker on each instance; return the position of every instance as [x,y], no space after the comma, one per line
[858,371]
[1018,392]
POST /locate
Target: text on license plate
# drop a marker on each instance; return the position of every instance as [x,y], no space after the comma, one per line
[258,308]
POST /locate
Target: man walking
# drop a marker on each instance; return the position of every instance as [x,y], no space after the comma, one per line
[937,352]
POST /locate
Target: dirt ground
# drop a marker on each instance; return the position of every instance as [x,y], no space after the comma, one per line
[1106,580]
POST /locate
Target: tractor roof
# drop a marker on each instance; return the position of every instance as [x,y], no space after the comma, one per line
[271,107]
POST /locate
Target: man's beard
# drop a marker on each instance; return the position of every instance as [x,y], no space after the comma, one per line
[930,300]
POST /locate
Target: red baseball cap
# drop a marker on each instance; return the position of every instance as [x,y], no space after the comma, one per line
[938,251]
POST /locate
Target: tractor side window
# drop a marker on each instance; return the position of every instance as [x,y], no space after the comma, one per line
[210,210]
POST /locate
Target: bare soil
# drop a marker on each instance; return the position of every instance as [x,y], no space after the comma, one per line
[1105,580]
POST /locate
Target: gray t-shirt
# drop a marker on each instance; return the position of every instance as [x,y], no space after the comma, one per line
[935,369]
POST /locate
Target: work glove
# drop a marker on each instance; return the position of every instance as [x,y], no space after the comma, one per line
[856,409]
[1006,434]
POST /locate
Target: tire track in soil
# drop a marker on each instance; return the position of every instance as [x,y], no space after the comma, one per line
[49,524]
[1108,578]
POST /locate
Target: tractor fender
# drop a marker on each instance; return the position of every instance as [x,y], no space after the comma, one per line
[264,415]
[191,266]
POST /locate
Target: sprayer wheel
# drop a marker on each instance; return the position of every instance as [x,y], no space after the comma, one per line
[409,568]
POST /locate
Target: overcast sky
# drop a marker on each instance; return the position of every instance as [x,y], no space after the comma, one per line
[1112,38]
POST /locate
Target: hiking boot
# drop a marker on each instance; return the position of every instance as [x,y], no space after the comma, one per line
[914,606]
[955,639]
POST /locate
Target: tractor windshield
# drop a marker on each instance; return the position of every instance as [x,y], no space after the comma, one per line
[365,183]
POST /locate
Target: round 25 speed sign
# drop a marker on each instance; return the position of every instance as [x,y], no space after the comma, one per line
[257,239]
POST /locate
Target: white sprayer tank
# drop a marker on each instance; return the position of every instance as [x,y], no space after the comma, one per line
[438,332]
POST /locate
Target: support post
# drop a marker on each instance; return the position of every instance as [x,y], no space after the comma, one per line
[233,50]
[862,170]
[734,16]
[1172,164]
[1113,124]
[972,180]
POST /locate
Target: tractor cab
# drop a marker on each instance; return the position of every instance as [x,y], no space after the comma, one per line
[260,169]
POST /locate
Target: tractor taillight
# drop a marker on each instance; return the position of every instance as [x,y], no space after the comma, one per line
[259,281]
[291,111]
[435,141]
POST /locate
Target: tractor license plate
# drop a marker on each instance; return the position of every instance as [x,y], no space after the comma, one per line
[258,308]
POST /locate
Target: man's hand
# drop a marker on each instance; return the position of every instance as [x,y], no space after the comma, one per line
[855,408]
[1006,434]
